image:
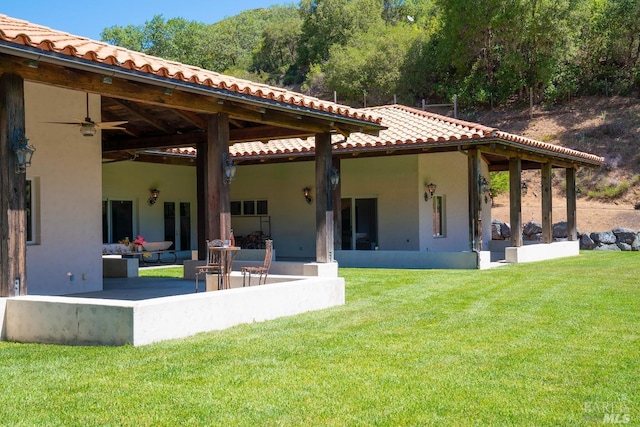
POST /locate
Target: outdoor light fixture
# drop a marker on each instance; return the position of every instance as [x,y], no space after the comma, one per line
[485,188]
[334,178]
[429,191]
[525,188]
[24,153]
[228,168]
[307,194]
[153,197]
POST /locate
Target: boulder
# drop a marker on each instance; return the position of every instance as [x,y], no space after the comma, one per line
[586,242]
[625,235]
[623,246]
[604,238]
[505,230]
[531,228]
[560,230]
[605,247]
[496,233]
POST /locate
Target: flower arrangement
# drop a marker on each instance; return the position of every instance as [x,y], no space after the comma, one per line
[139,240]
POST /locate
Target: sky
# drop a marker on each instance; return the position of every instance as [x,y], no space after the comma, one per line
[89,17]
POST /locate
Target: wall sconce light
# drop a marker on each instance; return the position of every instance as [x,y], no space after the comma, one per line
[429,191]
[485,189]
[228,168]
[334,177]
[24,153]
[153,197]
[307,194]
[525,188]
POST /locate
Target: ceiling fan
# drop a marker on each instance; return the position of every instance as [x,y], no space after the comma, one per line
[88,127]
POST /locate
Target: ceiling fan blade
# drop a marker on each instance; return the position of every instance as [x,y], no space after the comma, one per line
[105,125]
[78,123]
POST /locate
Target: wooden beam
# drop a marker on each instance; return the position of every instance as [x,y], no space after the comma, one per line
[192,118]
[218,212]
[525,155]
[572,228]
[135,110]
[515,200]
[13,235]
[547,216]
[324,208]
[201,195]
[266,133]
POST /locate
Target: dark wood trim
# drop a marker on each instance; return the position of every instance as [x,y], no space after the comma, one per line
[201,195]
[547,205]
[572,227]
[13,235]
[337,208]
[324,210]
[515,200]
[474,168]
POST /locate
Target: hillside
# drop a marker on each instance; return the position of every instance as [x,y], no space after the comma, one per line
[606,126]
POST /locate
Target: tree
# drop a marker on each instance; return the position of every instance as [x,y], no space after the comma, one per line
[333,22]
[370,64]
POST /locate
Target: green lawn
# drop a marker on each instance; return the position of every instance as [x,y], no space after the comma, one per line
[551,343]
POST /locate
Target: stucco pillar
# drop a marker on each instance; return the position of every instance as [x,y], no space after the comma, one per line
[515,201]
[547,217]
[572,227]
[13,234]
[324,202]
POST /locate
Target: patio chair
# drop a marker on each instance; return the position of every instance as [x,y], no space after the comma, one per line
[214,262]
[262,270]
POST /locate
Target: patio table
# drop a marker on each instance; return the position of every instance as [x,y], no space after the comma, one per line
[227,255]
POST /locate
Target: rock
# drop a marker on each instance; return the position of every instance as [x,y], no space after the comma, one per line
[505,230]
[604,238]
[531,228]
[560,230]
[537,237]
[625,235]
[586,242]
[623,246]
[496,233]
[612,247]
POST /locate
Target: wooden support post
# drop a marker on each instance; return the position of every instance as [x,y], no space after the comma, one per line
[13,235]
[324,205]
[547,217]
[572,227]
[475,234]
[337,209]
[515,201]
[201,194]
[218,205]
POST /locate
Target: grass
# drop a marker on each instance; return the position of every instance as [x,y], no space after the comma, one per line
[552,343]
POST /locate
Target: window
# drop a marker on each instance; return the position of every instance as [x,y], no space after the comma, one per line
[249,207]
[438,216]
[117,217]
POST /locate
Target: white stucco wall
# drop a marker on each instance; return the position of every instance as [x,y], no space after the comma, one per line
[404,218]
[66,172]
[133,181]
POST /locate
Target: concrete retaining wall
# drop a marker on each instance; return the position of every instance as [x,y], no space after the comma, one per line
[407,259]
[84,321]
[542,251]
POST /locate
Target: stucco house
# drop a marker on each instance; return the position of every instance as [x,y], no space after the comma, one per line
[89,182]
[386,214]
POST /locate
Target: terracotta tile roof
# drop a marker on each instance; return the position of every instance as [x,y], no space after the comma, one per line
[407,128]
[19,32]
